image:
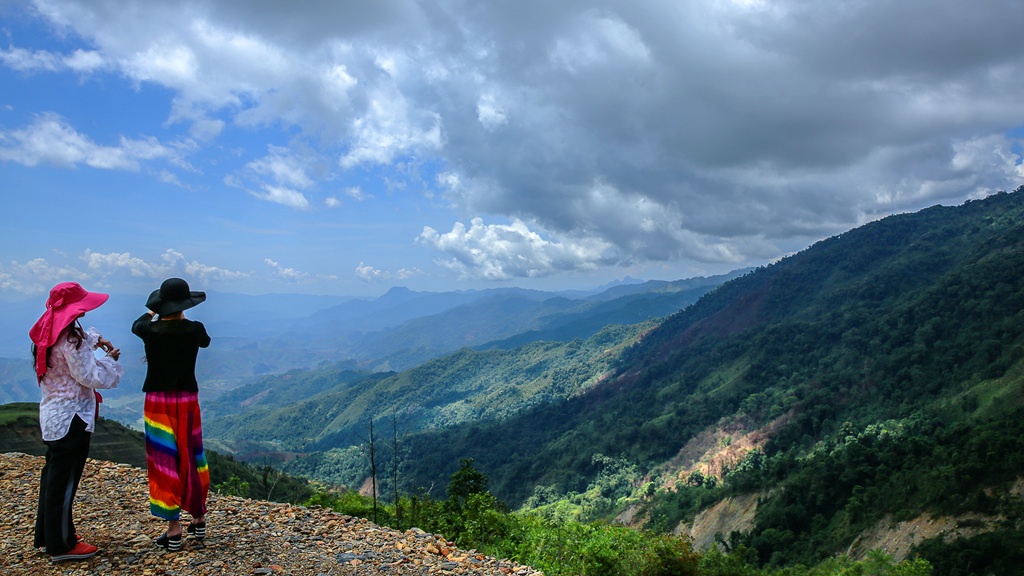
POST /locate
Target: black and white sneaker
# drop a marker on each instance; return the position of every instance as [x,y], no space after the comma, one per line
[171,543]
[197,530]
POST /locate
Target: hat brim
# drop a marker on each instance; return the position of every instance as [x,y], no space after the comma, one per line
[52,322]
[166,307]
[68,314]
[92,301]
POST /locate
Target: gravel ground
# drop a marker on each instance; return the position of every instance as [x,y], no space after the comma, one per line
[243,536]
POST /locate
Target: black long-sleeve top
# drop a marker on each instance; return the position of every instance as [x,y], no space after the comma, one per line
[171,350]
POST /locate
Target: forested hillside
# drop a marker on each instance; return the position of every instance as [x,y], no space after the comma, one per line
[875,375]
[329,409]
[510,318]
[880,371]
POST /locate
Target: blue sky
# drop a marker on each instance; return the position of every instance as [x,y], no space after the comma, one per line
[346,147]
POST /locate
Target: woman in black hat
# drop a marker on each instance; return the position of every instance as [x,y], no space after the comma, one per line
[178,474]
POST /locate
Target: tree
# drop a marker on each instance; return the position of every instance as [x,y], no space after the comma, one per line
[394,448]
[368,442]
[269,477]
[233,487]
[471,515]
[465,482]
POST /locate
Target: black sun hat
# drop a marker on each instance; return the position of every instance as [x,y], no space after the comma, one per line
[174,296]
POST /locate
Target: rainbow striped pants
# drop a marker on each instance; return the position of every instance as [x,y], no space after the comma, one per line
[176,464]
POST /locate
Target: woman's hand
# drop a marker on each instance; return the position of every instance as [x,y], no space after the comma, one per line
[114,353]
[105,344]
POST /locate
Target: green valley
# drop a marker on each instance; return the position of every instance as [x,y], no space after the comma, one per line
[872,379]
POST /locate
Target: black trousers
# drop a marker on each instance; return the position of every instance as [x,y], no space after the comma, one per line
[58,483]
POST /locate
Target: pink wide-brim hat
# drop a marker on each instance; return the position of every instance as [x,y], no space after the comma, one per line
[67,301]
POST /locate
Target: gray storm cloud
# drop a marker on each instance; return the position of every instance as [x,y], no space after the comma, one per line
[653,130]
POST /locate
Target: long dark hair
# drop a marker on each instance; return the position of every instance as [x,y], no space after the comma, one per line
[73,333]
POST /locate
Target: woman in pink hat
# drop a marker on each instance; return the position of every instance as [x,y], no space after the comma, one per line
[69,374]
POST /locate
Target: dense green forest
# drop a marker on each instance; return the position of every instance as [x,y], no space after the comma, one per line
[889,358]
[881,368]
[471,516]
[333,407]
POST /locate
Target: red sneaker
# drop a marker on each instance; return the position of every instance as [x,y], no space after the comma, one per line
[81,551]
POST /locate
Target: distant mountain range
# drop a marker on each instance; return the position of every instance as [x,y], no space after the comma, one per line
[272,334]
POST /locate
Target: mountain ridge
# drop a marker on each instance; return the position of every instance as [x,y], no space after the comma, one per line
[895,351]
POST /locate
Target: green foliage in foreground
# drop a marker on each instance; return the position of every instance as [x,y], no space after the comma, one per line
[474,519]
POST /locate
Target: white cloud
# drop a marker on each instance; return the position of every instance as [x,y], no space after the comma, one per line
[86,61]
[169,177]
[112,269]
[365,272]
[30,60]
[289,274]
[81,61]
[177,263]
[391,128]
[51,140]
[356,193]
[293,276]
[283,168]
[37,276]
[280,176]
[502,252]
[599,40]
[206,128]
[988,155]
[106,263]
[172,263]
[490,114]
[337,86]
[370,274]
[281,195]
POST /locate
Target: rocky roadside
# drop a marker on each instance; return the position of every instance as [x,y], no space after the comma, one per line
[243,536]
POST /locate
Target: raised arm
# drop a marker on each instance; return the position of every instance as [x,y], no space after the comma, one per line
[90,371]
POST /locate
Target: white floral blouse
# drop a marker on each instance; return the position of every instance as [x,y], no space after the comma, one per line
[69,384]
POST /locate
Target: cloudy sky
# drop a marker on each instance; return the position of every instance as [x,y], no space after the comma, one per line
[343,147]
